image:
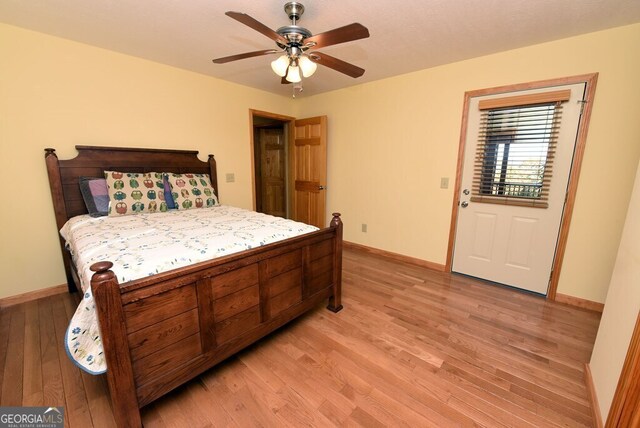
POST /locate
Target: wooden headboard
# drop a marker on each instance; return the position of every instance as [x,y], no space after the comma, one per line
[92,161]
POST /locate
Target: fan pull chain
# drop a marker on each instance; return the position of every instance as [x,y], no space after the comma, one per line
[298,87]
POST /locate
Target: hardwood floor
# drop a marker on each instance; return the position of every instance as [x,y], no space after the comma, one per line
[412,347]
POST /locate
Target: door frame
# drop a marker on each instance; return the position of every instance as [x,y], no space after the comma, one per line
[590,80]
[289,123]
[627,396]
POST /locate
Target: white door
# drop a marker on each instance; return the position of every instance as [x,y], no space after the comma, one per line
[503,241]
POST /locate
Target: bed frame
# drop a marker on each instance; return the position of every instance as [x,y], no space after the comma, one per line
[160,331]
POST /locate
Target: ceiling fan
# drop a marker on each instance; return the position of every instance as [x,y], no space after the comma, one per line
[295,43]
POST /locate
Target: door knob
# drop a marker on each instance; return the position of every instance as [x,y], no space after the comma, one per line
[321,187]
[465,191]
[464,204]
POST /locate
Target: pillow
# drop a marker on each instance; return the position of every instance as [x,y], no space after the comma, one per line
[133,193]
[95,194]
[192,191]
[168,197]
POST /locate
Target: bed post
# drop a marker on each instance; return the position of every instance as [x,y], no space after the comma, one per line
[122,388]
[213,175]
[335,301]
[59,208]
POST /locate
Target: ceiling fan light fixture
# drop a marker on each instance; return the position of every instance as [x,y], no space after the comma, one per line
[293,41]
[308,67]
[293,75]
[279,66]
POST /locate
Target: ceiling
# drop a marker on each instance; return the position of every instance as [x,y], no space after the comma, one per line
[405,36]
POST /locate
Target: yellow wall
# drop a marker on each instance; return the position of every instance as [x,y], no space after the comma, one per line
[58,93]
[390,142]
[620,309]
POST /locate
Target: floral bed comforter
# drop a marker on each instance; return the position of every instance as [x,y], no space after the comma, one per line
[145,244]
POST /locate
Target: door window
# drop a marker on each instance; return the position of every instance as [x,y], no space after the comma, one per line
[515,152]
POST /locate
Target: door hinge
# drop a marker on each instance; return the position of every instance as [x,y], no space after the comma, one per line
[582,104]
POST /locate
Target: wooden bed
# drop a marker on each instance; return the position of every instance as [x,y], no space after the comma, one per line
[163,330]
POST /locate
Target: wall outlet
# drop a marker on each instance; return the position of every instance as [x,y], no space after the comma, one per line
[444,182]
[364,227]
[231,177]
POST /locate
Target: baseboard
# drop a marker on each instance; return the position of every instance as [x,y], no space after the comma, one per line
[393,256]
[32,295]
[580,303]
[560,298]
[592,397]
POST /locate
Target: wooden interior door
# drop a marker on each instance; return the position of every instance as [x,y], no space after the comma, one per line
[309,170]
[272,171]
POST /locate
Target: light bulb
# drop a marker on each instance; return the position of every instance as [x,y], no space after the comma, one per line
[308,67]
[279,66]
[293,75]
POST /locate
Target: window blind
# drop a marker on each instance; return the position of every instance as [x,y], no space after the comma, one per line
[516,148]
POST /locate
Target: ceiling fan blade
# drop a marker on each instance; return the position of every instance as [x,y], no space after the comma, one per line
[344,34]
[258,26]
[336,64]
[284,80]
[243,56]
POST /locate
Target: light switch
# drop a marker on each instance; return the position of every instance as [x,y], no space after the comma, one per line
[364,227]
[231,177]
[444,182]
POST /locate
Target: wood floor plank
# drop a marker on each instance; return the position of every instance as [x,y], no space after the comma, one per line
[13,369]
[430,403]
[52,387]
[171,414]
[327,379]
[364,419]
[333,414]
[240,412]
[499,364]
[32,391]
[217,395]
[5,326]
[486,347]
[426,376]
[269,400]
[412,347]
[297,412]
[198,416]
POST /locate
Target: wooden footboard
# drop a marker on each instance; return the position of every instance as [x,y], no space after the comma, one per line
[161,331]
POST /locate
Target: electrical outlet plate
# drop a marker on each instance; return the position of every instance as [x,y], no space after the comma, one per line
[444,182]
[364,227]
[231,177]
